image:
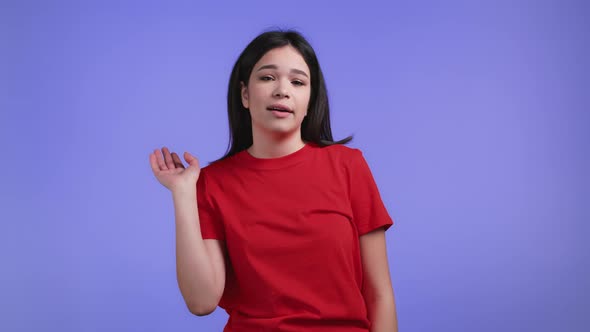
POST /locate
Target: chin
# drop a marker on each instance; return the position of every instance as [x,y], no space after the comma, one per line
[278,128]
[282,130]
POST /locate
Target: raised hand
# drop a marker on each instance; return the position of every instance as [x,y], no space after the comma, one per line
[170,171]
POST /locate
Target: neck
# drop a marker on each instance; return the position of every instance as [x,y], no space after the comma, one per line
[267,145]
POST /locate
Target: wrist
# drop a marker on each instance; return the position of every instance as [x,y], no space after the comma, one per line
[184,191]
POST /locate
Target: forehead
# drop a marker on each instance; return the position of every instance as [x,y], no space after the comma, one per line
[285,58]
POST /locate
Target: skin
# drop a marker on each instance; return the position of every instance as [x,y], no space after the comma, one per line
[377,289]
[200,264]
[170,171]
[275,137]
[288,83]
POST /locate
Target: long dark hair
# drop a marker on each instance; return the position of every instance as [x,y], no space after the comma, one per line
[315,126]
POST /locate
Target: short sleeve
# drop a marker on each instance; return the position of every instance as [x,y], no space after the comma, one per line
[369,212]
[210,221]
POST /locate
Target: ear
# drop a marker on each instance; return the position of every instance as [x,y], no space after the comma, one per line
[244,94]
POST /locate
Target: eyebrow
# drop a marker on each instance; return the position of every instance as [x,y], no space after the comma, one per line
[293,70]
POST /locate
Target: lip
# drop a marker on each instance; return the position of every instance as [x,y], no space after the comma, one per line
[281,115]
[279,106]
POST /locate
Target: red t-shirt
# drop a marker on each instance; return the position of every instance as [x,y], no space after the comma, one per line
[292,227]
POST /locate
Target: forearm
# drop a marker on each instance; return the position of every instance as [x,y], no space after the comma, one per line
[382,313]
[194,270]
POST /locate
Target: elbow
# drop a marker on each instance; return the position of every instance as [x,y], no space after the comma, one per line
[202,305]
[200,310]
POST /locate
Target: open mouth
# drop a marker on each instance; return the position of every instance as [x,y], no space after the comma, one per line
[279,108]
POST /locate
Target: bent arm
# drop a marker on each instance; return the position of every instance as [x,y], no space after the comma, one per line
[200,274]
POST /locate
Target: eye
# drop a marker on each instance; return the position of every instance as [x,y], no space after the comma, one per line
[266,78]
[298,83]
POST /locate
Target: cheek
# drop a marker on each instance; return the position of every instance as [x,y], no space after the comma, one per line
[304,99]
[255,96]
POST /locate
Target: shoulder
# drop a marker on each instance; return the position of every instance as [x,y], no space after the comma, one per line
[341,150]
[343,154]
[213,173]
[220,167]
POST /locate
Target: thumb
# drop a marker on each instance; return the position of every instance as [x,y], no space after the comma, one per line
[191,160]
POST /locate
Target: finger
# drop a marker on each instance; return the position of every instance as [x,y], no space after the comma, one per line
[160,160]
[177,161]
[190,159]
[168,158]
[154,163]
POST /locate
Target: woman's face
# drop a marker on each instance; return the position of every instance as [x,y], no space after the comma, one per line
[278,92]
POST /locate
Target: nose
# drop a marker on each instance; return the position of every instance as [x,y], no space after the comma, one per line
[281,90]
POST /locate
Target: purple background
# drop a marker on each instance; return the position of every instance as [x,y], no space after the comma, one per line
[473,116]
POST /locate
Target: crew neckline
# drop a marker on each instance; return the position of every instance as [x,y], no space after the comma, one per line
[248,160]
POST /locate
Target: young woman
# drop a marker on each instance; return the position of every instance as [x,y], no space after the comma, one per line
[286,231]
